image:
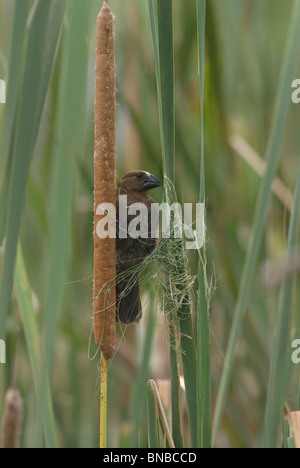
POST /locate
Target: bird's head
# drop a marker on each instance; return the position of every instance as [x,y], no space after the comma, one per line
[138,181]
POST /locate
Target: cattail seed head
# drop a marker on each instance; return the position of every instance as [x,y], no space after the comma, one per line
[104,315]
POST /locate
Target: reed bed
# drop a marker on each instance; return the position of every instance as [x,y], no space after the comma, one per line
[186,91]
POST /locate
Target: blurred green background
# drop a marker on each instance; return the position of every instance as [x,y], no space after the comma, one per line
[245,41]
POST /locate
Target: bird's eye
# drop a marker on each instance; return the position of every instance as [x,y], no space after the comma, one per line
[139,175]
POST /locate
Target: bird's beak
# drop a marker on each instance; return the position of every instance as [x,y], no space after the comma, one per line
[151,183]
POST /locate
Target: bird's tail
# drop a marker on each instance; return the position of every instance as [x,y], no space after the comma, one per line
[128,305]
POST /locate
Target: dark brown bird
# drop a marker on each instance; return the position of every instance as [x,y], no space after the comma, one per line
[131,251]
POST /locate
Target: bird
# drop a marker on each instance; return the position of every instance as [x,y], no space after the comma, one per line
[131,251]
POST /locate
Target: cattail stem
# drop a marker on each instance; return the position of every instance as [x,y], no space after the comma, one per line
[105,183]
[103,403]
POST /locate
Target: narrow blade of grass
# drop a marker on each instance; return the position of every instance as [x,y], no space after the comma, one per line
[166,85]
[203,329]
[67,150]
[13,80]
[164,55]
[189,363]
[156,415]
[31,332]
[177,433]
[203,354]
[201,16]
[42,43]
[162,36]
[138,397]
[273,153]
[152,417]
[279,374]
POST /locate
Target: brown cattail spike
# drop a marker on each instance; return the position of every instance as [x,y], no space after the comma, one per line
[12,419]
[105,183]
